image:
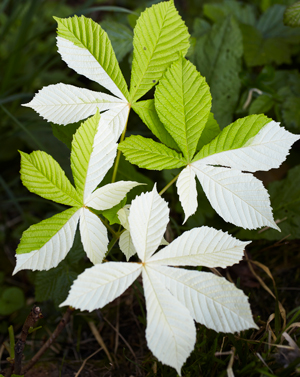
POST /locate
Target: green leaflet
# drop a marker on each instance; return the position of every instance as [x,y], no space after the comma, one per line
[160,36]
[211,130]
[218,58]
[182,102]
[120,36]
[235,135]
[86,33]
[292,15]
[147,112]
[111,213]
[38,234]
[82,147]
[149,154]
[42,175]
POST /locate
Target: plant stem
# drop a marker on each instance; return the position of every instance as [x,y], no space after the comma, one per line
[11,341]
[115,171]
[32,318]
[169,184]
[62,324]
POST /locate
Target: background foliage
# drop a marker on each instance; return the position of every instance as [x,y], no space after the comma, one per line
[250,59]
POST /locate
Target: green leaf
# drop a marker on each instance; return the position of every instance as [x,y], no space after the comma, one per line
[65,133]
[82,147]
[42,175]
[291,113]
[38,234]
[160,36]
[285,200]
[244,13]
[261,104]
[120,36]
[218,58]
[261,51]
[235,135]
[147,112]
[111,214]
[149,154]
[11,300]
[211,131]
[86,33]
[271,25]
[292,15]
[182,102]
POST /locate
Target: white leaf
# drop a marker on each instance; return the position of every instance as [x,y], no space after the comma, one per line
[123,214]
[186,188]
[148,219]
[211,300]
[265,151]
[84,63]
[126,245]
[53,252]
[201,247]
[238,197]
[170,332]
[109,195]
[64,104]
[93,236]
[116,119]
[101,159]
[101,284]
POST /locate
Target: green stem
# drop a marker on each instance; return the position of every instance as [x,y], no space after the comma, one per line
[169,184]
[11,341]
[115,171]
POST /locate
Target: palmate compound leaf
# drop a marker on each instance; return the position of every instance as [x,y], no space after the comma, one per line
[174,296]
[86,48]
[249,144]
[92,155]
[149,154]
[160,36]
[183,102]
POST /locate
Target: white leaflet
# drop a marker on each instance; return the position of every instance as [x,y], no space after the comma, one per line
[239,198]
[101,284]
[64,104]
[101,159]
[170,332]
[84,63]
[54,251]
[266,150]
[186,188]
[116,119]
[201,247]
[93,236]
[148,219]
[211,300]
[123,214]
[109,195]
[126,245]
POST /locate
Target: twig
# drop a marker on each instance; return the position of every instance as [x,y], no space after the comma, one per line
[30,321]
[62,324]
[85,360]
[99,339]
